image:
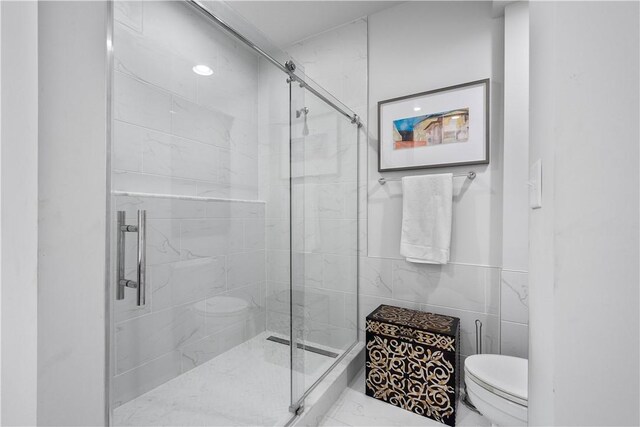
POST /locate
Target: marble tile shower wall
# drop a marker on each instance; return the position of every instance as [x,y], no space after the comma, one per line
[324,218]
[274,187]
[206,288]
[324,224]
[176,132]
[324,277]
[337,60]
[179,134]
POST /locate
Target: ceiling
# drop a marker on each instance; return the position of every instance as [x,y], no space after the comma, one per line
[286,22]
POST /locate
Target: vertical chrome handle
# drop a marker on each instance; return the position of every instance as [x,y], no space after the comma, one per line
[120,285]
[123,282]
[142,257]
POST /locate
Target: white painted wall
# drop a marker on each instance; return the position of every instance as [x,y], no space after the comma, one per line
[415,47]
[465,43]
[72,217]
[541,249]
[516,137]
[584,241]
[515,202]
[18,216]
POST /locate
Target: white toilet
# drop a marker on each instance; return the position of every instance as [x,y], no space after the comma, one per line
[497,387]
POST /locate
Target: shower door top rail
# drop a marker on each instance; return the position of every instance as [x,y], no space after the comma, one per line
[288,67]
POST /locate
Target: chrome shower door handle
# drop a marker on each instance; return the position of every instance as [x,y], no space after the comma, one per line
[120,280]
[141,264]
[142,257]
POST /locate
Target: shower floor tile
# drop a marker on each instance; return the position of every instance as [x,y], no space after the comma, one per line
[247,385]
[354,408]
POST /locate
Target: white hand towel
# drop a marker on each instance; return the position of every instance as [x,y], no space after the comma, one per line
[426,218]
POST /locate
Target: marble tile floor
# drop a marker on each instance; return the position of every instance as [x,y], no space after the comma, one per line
[354,408]
[247,385]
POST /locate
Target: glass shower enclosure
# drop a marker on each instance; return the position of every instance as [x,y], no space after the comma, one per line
[233,279]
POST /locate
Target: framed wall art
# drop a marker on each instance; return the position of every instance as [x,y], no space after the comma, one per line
[442,127]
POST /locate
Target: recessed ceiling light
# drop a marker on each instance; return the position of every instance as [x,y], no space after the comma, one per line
[455,117]
[203,70]
[417,108]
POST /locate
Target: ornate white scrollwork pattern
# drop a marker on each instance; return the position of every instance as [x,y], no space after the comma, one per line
[393,314]
[414,318]
[443,342]
[412,376]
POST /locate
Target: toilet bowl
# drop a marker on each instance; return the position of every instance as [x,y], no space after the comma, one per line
[497,387]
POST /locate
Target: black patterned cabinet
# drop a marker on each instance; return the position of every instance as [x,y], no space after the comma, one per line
[413,361]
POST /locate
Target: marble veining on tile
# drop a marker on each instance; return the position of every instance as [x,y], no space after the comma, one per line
[188,135]
[515,296]
[192,121]
[375,276]
[247,385]
[129,13]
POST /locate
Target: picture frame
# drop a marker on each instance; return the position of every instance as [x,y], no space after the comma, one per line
[444,127]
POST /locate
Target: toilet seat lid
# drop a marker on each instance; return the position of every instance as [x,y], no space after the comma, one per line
[505,373]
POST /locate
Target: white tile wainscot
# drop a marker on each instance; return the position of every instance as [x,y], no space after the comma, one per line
[469,292]
[514,296]
[514,303]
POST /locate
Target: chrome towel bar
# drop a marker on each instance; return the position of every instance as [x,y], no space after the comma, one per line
[469,175]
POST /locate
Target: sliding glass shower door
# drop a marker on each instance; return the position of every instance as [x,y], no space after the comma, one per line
[324,232]
[234,223]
